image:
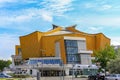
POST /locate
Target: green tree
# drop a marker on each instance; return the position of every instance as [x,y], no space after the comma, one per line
[114,64]
[117,51]
[4,63]
[103,56]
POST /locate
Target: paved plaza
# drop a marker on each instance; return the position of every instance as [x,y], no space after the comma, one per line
[57,78]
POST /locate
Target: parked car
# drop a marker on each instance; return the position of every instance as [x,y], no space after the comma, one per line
[96,77]
[112,77]
[4,75]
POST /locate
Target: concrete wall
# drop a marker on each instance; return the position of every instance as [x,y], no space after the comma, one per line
[85,59]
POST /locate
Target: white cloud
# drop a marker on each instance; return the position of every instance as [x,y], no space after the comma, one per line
[47,16]
[18,18]
[99,20]
[34,13]
[115,40]
[7,45]
[57,7]
[103,7]
[26,15]
[106,7]
[17,1]
[50,9]
[94,29]
[6,1]
[29,1]
[107,21]
[89,5]
[98,5]
[10,20]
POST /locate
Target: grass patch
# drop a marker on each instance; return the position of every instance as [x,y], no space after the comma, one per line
[82,76]
[10,79]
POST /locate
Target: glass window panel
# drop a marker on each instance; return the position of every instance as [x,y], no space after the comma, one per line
[72,51]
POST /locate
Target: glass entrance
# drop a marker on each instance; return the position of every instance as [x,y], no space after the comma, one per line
[51,73]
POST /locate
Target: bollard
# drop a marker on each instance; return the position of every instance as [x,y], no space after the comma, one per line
[38,75]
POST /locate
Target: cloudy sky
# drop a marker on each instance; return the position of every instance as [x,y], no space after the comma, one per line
[21,17]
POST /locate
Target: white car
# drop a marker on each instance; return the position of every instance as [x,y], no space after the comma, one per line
[112,77]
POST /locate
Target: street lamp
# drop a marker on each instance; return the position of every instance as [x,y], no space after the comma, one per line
[73,68]
[38,73]
[88,69]
[62,70]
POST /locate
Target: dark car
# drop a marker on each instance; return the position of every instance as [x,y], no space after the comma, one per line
[96,77]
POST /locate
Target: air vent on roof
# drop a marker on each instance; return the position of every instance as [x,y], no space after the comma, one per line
[73,26]
[54,26]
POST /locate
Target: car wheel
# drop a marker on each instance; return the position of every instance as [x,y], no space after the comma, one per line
[106,79]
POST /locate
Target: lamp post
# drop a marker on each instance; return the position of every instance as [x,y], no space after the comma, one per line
[88,70]
[73,69]
[98,65]
[63,69]
[38,73]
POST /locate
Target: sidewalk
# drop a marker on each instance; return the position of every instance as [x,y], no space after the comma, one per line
[56,78]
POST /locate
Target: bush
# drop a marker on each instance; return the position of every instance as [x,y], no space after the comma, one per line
[20,76]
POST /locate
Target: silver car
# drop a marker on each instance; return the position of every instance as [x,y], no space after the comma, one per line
[112,77]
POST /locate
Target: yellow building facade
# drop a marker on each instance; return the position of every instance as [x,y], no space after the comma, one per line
[43,44]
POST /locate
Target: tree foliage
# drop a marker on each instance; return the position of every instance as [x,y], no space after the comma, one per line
[104,55]
[117,52]
[114,64]
[4,63]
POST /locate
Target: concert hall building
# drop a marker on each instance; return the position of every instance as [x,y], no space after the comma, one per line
[59,49]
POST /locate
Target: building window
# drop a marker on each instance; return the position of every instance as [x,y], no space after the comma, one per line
[45,61]
[19,50]
[72,55]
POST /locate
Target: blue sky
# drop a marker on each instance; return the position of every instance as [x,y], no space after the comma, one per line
[21,17]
